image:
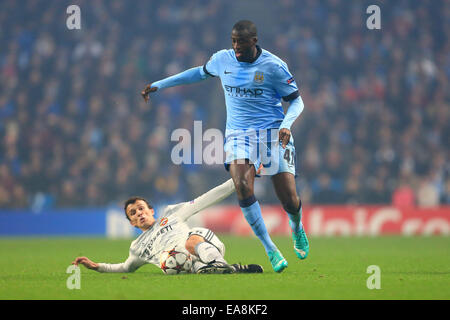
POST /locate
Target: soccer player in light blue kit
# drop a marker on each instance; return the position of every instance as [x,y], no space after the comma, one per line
[257,130]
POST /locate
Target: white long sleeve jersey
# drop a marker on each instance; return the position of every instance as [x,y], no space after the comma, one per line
[169,230]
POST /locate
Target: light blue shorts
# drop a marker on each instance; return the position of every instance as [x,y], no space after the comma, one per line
[260,147]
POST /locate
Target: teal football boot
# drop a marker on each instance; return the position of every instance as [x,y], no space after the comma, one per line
[277,260]
[301,244]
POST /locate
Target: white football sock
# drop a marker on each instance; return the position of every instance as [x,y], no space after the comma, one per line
[208,253]
[196,265]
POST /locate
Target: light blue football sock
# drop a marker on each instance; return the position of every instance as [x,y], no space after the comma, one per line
[295,220]
[252,213]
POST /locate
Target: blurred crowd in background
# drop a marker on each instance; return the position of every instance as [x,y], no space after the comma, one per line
[75,131]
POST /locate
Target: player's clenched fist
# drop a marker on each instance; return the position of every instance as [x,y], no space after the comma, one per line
[284,136]
[85,262]
[146,92]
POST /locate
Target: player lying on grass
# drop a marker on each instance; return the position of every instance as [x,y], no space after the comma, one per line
[254,82]
[170,230]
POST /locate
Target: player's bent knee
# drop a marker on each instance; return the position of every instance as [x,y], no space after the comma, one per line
[192,241]
[292,205]
[243,188]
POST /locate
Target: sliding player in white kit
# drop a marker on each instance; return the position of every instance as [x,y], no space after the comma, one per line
[170,230]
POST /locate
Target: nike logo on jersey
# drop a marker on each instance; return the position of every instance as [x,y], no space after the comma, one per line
[227,72]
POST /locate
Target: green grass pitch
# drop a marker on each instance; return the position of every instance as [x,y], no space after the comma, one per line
[411,268]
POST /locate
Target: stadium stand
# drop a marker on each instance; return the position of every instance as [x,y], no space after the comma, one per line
[75,131]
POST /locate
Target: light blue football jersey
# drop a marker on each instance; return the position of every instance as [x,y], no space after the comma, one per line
[253,91]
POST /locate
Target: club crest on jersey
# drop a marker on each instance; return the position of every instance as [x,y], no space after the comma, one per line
[163,222]
[259,77]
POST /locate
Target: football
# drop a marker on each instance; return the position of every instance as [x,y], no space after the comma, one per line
[175,262]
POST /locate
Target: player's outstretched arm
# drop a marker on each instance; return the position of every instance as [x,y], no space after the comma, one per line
[186,77]
[130,265]
[85,262]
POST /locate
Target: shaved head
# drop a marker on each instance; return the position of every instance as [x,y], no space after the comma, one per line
[246,28]
[244,39]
